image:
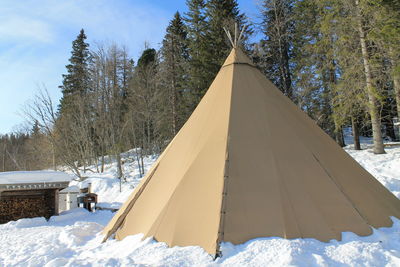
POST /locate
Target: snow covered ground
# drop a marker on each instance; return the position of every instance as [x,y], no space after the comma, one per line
[74,237]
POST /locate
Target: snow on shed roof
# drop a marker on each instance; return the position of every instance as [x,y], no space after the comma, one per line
[33,177]
[70,189]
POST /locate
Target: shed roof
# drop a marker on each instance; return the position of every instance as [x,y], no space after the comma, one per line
[23,177]
[33,180]
[71,189]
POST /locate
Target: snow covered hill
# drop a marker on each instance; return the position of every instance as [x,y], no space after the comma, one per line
[74,237]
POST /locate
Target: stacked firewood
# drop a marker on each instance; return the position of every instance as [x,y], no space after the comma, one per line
[17,207]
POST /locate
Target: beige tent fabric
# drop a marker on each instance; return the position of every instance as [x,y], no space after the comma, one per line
[248,163]
[188,184]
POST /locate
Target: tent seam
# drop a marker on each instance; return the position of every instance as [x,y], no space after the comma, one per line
[284,190]
[166,207]
[337,185]
[341,190]
[221,226]
[238,63]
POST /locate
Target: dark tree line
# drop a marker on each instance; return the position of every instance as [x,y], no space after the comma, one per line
[337,60]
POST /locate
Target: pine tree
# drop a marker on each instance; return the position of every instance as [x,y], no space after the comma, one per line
[316,62]
[196,28]
[143,97]
[74,126]
[35,129]
[386,36]
[76,81]
[207,41]
[277,44]
[219,14]
[371,89]
[173,68]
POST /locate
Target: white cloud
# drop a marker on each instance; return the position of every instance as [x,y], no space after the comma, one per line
[36,36]
[22,29]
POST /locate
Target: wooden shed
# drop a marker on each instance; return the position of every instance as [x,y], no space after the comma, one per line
[28,194]
[68,198]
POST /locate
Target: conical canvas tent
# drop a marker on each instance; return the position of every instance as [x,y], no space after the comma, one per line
[248,163]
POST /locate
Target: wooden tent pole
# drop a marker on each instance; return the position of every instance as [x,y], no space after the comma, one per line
[229,36]
[236,34]
[241,34]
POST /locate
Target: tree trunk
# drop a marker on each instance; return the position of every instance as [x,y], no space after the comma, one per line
[102,162]
[173,98]
[4,157]
[389,127]
[54,157]
[138,161]
[396,82]
[97,164]
[372,101]
[77,172]
[356,134]
[174,116]
[138,158]
[284,67]
[136,152]
[149,137]
[339,134]
[141,159]
[119,166]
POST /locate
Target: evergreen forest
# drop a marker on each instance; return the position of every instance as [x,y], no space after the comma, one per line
[337,60]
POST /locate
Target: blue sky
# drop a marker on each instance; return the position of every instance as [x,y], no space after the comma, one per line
[36,37]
